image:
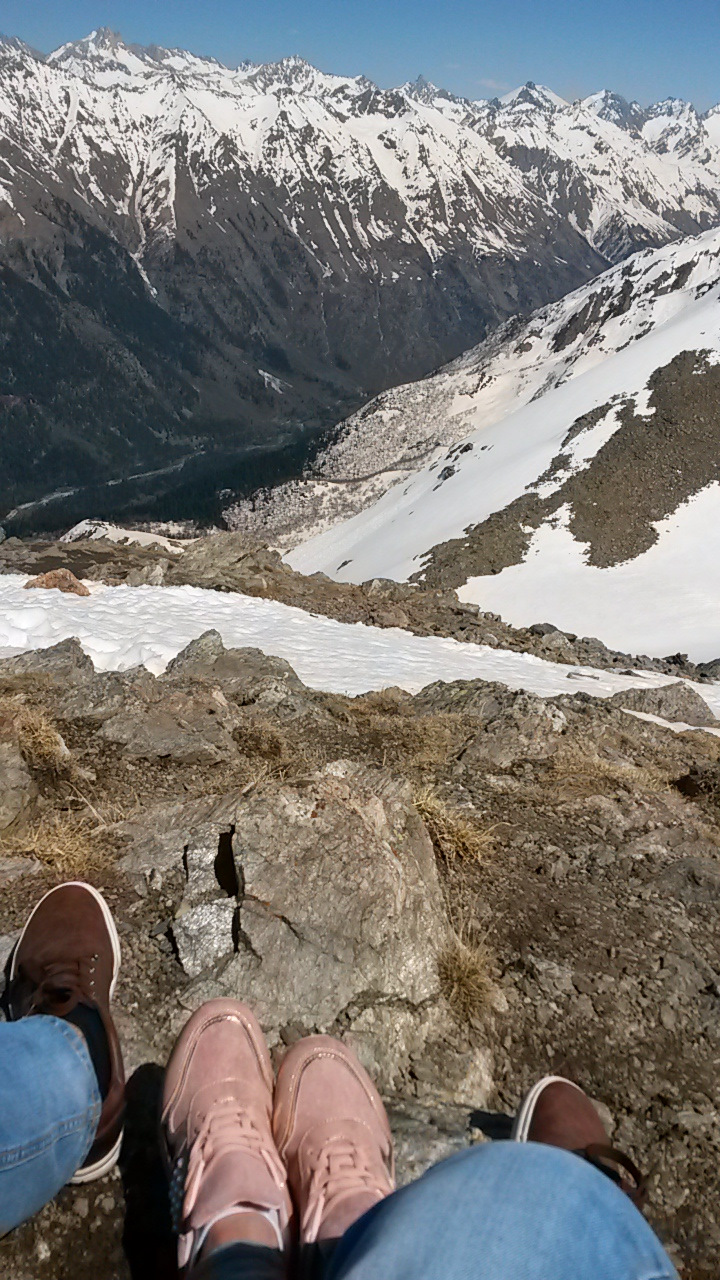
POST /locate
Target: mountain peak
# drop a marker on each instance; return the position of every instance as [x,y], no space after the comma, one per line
[616,109]
[533,95]
[11,44]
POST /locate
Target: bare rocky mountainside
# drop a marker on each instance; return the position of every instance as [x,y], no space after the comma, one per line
[196,261]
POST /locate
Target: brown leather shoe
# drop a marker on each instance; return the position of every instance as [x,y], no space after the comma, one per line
[332,1132]
[217,1125]
[557,1112]
[68,957]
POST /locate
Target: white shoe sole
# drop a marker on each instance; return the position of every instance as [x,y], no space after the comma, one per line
[107,916]
[91,1172]
[523,1119]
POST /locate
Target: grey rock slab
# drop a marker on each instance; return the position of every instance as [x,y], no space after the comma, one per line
[204,935]
[192,729]
[694,881]
[247,675]
[17,868]
[676,702]
[529,729]
[66,660]
[156,839]
[7,943]
[425,1134]
[17,788]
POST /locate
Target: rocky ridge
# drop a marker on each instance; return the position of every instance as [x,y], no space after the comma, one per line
[538,884]
[238,562]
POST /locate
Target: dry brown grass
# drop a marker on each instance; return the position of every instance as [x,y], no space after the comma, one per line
[263,739]
[465,969]
[384,702]
[41,745]
[579,770]
[417,743]
[71,845]
[454,833]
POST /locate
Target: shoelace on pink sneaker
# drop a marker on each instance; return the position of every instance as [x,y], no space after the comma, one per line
[227,1128]
[341,1170]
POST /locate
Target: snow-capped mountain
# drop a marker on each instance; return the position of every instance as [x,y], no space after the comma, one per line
[216,256]
[579,474]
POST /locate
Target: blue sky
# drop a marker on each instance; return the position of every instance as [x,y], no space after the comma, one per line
[647,49]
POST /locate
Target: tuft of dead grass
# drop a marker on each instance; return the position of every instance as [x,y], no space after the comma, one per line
[261,738]
[384,702]
[41,746]
[70,845]
[465,970]
[578,769]
[453,832]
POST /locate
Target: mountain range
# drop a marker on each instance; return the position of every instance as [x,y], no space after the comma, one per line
[198,261]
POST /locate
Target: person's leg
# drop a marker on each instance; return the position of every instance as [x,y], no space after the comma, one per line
[65,966]
[504,1211]
[49,1111]
[242,1262]
[61,1072]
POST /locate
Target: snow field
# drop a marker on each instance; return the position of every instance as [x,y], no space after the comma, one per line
[122,627]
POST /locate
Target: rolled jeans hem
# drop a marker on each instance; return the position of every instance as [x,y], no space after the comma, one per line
[50,1108]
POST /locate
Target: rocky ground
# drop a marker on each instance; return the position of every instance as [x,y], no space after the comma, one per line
[472,886]
[236,562]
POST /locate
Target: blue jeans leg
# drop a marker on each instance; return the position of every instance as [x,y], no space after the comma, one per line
[505,1211]
[49,1112]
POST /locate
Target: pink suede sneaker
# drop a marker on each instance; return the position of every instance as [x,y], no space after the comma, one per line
[217,1126]
[333,1135]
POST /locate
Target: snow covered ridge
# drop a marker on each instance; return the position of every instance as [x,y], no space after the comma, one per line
[123,627]
[95,530]
[98,106]
[583,458]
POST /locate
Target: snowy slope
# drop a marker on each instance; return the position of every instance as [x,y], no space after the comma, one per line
[588,405]
[122,627]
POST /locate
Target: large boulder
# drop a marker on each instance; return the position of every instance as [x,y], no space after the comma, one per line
[341,901]
[247,675]
[190,728]
[63,663]
[529,728]
[59,580]
[674,702]
[318,902]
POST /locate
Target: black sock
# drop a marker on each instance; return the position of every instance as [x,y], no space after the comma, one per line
[88,1021]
